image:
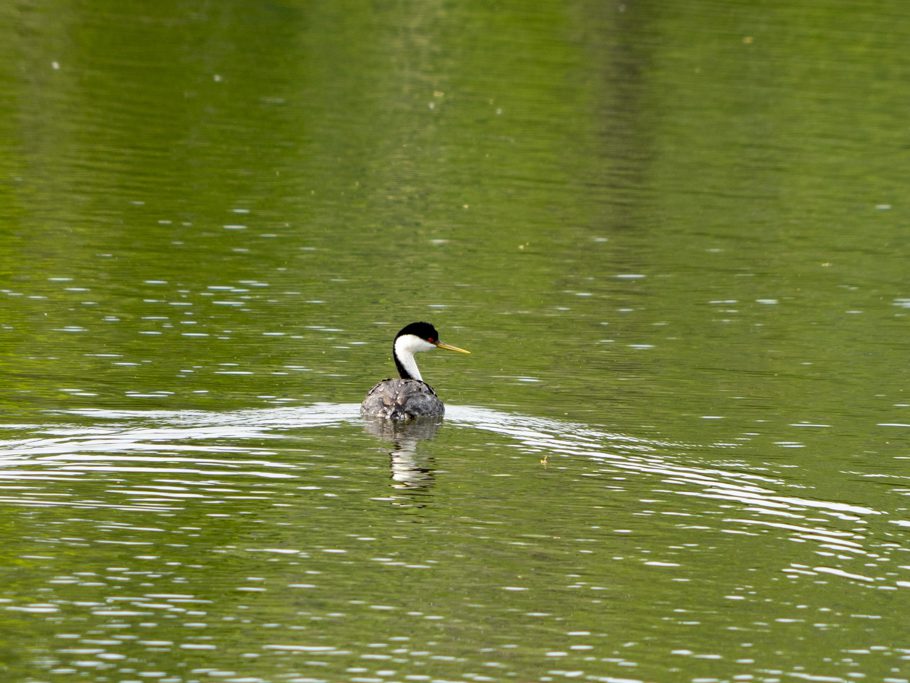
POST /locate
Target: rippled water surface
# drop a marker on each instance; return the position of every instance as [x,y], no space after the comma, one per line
[296,542]
[674,239]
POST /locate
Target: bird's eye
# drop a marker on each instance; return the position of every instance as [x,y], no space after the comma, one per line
[431,340]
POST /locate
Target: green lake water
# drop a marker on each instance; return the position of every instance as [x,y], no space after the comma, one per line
[675,237]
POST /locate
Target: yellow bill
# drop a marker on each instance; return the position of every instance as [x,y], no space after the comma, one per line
[449,347]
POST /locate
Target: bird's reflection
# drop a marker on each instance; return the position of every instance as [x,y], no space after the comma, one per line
[410,469]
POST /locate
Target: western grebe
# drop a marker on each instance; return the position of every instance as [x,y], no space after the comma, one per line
[410,396]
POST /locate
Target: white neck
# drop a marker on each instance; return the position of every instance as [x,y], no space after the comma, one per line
[405,348]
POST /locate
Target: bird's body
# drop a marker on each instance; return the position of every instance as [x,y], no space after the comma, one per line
[402,399]
[408,397]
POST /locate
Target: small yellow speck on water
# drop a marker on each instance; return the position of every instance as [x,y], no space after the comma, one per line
[545,460]
[438,93]
[747,40]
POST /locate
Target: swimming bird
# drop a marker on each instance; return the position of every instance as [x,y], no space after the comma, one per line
[410,396]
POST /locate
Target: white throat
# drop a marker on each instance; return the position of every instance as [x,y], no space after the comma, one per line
[405,348]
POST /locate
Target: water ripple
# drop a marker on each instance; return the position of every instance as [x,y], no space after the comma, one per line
[219,446]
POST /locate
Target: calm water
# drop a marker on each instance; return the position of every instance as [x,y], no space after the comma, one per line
[674,238]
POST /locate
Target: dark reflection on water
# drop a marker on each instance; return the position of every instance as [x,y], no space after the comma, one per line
[410,467]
